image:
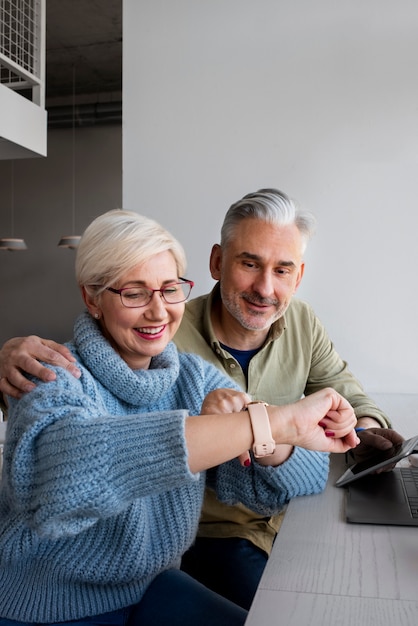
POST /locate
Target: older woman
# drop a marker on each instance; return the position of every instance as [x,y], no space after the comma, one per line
[104,476]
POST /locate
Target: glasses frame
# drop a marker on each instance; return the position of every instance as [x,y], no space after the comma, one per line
[184,281]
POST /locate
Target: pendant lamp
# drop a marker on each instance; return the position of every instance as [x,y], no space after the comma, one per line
[72,241]
[11,243]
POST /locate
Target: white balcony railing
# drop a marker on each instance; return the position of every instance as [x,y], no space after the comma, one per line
[22,46]
[22,71]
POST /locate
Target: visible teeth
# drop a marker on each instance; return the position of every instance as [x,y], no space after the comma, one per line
[150,331]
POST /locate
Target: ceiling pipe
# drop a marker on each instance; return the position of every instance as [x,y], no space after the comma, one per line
[89,114]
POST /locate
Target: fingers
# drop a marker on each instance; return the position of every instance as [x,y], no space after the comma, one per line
[332,425]
[224,401]
[340,419]
[54,354]
[21,356]
[339,422]
[341,445]
[347,441]
[7,388]
[316,422]
[245,459]
[53,348]
[376,439]
[351,439]
[339,408]
[381,438]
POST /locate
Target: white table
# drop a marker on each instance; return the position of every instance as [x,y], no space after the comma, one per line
[325,572]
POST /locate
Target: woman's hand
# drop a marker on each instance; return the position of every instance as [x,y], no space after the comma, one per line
[323,421]
[22,354]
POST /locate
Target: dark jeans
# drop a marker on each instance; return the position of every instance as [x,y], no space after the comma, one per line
[172,599]
[232,567]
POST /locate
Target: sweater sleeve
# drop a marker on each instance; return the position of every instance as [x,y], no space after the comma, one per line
[265,489]
[70,463]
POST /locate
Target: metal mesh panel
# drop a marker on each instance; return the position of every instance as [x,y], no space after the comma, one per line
[19,41]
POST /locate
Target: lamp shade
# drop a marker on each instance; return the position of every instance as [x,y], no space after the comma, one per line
[12,244]
[69,241]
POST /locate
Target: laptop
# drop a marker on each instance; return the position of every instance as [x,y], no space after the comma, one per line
[389,497]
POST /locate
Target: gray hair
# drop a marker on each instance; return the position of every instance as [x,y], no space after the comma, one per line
[272,206]
[117,241]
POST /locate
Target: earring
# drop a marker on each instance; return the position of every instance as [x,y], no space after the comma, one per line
[96,316]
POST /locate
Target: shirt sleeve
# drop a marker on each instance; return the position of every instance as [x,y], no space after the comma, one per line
[328,369]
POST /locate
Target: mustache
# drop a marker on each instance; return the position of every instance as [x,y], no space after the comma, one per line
[255,298]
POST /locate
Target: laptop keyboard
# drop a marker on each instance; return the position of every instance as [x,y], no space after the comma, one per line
[410,480]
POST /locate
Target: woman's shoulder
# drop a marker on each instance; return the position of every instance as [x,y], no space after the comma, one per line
[194,363]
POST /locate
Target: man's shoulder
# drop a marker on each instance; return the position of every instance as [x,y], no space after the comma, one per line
[299,310]
[196,308]
[194,314]
[190,336]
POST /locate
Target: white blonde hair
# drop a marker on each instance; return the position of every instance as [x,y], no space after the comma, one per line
[117,241]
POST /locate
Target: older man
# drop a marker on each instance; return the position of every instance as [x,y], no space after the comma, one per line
[272,344]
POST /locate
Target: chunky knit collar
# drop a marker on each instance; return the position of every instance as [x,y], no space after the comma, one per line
[137,387]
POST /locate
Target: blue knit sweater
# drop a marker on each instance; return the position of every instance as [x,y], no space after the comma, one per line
[97,497]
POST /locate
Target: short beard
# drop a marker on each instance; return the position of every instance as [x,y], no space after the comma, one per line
[253,298]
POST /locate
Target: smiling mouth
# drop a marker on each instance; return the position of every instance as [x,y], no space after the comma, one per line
[150,331]
[260,303]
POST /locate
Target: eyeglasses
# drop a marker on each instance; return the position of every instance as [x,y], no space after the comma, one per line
[135,297]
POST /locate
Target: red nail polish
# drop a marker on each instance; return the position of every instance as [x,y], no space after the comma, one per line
[329,433]
[247,462]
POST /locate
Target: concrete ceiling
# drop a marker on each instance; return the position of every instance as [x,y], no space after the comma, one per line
[83,60]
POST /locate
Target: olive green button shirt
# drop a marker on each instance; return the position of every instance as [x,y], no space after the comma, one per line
[296,359]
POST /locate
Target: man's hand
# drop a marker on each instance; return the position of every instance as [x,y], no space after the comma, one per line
[373,440]
[224,401]
[21,355]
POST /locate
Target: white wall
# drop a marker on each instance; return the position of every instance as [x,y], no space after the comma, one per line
[319,99]
[38,293]
[23,126]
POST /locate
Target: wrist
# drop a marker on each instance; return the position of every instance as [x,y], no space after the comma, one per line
[263,442]
[367,422]
[282,424]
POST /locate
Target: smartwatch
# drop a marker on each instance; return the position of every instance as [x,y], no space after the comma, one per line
[264,444]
